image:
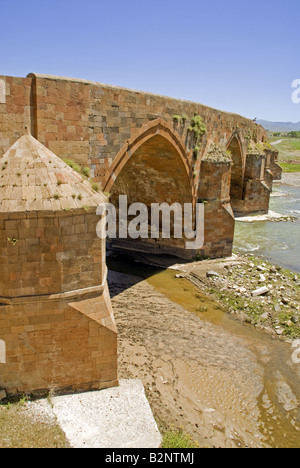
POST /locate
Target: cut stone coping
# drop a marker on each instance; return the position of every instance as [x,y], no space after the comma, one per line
[118,417]
[64,295]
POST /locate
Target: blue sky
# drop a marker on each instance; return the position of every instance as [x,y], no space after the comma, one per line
[234,55]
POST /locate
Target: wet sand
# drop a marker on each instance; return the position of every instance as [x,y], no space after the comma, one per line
[196,375]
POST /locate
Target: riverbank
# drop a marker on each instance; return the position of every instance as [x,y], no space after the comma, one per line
[290,178]
[226,382]
[195,377]
[252,290]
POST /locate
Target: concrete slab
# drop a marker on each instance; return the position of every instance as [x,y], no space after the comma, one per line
[118,417]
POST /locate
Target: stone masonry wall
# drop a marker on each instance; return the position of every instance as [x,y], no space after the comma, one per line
[42,254]
[90,122]
[16,107]
[52,346]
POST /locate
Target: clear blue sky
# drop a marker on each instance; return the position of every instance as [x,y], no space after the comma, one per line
[235,55]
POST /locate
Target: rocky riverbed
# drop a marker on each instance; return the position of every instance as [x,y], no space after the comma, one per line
[253,291]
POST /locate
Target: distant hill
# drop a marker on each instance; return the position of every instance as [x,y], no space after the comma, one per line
[279,126]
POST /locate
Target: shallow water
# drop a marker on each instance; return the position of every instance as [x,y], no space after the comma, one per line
[276,241]
[281,378]
[278,394]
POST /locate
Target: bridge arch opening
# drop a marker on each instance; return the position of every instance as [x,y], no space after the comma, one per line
[156,172]
[237,173]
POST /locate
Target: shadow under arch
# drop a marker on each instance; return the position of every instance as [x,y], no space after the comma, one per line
[152,168]
[148,131]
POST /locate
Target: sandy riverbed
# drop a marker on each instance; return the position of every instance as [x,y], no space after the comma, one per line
[193,375]
[197,375]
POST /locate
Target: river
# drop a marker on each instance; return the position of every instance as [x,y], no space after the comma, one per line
[276,241]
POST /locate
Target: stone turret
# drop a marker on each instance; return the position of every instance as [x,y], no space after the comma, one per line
[55,312]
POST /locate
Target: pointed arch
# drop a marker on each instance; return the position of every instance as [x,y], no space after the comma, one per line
[235,146]
[154,128]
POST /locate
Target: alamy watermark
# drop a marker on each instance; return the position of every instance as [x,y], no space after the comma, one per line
[133,222]
[296,353]
[2,352]
[296,93]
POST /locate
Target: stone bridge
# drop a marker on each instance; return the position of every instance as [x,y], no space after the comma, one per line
[152,148]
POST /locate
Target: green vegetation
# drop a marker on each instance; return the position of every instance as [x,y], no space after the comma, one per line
[290,167]
[294,134]
[13,240]
[180,119]
[177,118]
[178,439]
[197,128]
[277,311]
[20,430]
[95,186]
[72,164]
[86,171]
[288,147]
[256,148]
[217,154]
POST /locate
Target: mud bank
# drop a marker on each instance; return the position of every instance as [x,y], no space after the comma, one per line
[223,381]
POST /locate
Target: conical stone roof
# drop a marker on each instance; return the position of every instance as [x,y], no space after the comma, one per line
[32,178]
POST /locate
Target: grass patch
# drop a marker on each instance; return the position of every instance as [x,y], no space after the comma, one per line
[72,164]
[86,171]
[178,439]
[95,186]
[19,430]
[289,148]
[289,167]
